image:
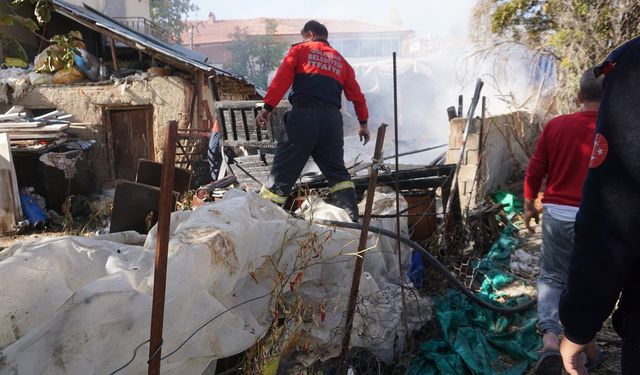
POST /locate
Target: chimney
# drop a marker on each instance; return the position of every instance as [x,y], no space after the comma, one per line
[212,17]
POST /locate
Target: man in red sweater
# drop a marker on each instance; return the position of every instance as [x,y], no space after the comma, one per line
[562,156]
[317,74]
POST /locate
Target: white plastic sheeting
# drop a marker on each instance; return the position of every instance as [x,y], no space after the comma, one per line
[76,305]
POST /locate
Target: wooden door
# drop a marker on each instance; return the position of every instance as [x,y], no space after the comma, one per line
[10,209]
[131,139]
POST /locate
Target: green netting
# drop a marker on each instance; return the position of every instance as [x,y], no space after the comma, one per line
[512,205]
[474,339]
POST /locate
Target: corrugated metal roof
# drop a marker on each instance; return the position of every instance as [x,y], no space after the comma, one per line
[142,41]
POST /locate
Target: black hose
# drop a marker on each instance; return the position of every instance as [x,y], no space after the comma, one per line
[436,263]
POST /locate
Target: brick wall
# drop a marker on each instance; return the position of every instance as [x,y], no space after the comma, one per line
[499,158]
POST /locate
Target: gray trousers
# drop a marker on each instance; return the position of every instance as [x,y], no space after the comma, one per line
[557,244]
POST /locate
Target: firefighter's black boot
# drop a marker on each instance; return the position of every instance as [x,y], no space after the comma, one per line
[348,201]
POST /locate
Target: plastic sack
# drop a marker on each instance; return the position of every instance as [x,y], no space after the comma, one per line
[49,60]
[40,78]
[68,76]
[87,63]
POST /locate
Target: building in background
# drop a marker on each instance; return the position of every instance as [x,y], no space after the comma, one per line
[354,39]
[135,14]
[118,8]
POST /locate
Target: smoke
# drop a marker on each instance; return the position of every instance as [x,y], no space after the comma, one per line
[427,83]
[430,82]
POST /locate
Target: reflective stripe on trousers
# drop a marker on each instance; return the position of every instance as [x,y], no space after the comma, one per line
[267,194]
[341,186]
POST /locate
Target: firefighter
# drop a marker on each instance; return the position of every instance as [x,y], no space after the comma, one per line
[605,263]
[313,127]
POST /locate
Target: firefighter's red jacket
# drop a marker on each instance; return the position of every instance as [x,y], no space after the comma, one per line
[318,73]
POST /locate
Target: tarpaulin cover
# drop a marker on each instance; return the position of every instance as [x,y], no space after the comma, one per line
[78,305]
[475,339]
[512,204]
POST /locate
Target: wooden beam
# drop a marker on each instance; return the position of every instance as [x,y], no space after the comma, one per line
[114,55]
[10,208]
[199,96]
[162,247]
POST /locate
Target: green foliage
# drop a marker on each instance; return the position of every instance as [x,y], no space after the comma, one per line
[68,44]
[42,12]
[254,56]
[169,14]
[577,33]
[43,9]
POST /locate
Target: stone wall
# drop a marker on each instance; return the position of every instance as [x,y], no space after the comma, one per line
[170,98]
[496,153]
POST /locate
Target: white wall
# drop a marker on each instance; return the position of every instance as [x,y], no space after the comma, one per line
[118,8]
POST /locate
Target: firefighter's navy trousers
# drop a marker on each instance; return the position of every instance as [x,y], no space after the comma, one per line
[308,131]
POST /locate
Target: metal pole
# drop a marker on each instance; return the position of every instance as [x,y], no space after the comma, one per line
[162,246]
[359,167]
[454,179]
[397,188]
[357,272]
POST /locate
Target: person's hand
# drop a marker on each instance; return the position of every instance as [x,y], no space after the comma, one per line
[364,134]
[530,212]
[262,118]
[573,357]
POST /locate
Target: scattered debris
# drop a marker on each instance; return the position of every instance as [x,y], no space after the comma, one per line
[221,287]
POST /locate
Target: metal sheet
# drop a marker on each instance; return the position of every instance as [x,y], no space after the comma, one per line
[170,51]
[135,207]
[150,172]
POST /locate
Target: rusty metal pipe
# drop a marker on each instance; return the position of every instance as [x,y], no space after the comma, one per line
[397,189]
[362,244]
[162,246]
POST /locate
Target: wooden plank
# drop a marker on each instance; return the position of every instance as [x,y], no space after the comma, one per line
[47,115]
[24,124]
[114,55]
[13,116]
[24,136]
[14,109]
[7,214]
[43,129]
[9,183]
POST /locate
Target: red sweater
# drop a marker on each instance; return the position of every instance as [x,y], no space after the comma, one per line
[562,155]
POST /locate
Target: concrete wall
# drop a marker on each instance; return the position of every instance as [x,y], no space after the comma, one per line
[501,156]
[169,96]
[118,8]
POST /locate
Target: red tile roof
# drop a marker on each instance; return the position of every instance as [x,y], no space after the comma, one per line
[208,31]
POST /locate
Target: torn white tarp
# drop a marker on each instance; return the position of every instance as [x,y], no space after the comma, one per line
[77,305]
[65,161]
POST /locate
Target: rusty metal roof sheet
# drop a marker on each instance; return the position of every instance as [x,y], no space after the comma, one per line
[100,22]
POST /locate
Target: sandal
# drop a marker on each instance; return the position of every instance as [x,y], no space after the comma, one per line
[595,363]
[549,363]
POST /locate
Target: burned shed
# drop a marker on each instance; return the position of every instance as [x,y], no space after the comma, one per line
[149,83]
